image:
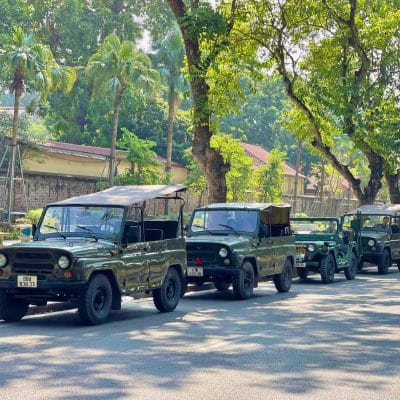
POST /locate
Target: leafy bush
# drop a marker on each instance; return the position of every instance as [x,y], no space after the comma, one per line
[32,216]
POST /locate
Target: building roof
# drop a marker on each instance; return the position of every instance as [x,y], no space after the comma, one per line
[260,157]
[10,110]
[92,151]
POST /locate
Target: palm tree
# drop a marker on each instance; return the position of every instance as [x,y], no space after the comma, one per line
[116,67]
[29,66]
[170,62]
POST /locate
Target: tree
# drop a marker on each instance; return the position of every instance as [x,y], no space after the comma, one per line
[239,178]
[29,66]
[116,67]
[206,33]
[336,61]
[169,58]
[145,169]
[271,176]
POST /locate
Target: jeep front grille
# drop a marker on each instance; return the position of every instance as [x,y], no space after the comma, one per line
[206,252]
[33,262]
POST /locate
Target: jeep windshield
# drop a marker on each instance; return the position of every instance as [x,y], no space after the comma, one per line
[314,226]
[224,221]
[371,222]
[97,222]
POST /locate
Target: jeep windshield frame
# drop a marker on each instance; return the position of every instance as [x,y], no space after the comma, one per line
[77,221]
[315,226]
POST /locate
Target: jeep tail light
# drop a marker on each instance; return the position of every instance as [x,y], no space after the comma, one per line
[198,261]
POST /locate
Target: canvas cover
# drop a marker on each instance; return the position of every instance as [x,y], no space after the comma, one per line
[123,195]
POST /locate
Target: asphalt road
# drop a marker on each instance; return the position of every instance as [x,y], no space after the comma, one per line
[338,341]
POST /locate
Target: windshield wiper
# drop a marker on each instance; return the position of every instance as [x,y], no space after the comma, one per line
[204,229]
[231,228]
[55,229]
[85,228]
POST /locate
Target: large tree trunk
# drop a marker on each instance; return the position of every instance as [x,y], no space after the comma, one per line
[113,161]
[210,161]
[172,109]
[393,181]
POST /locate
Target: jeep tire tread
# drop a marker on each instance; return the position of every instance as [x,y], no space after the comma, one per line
[384,262]
[243,283]
[12,309]
[327,269]
[351,270]
[283,281]
[166,297]
[94,303]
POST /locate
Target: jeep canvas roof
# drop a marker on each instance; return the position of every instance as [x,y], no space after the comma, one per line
[377,209]
[123,195]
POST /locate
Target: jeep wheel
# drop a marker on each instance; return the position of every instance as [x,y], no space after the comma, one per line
[327,269]
[384,262]
[398,265]
[94,303]
[243,283]
[166,297]
[351,270]
[302,273]
[222,286]
[12,309]
[283,281]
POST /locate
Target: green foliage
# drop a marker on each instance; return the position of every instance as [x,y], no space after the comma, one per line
[239,178]
[145,169]
[196,181]
[32,216]
[269,178]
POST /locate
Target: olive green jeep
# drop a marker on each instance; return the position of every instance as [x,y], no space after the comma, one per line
[240,244]
[323,246]
[91,250]
[378,227]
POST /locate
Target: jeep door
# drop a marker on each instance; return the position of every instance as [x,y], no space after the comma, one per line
[395,238]
[135,262]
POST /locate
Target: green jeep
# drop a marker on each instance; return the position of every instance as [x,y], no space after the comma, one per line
[91,250]
[379,229]
[240,244]
[324,246]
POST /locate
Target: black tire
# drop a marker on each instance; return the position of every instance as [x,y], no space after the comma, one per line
[243,283]
[283,281]
[398,265]
[222,286]
[384,262]
[12,309]
[94,303]
[351,270]
[327,269]
[166,297]
[302,273]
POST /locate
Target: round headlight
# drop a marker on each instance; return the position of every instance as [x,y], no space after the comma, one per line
[223,252]
[371,242]
[311,248]
[3,260]
[64,262]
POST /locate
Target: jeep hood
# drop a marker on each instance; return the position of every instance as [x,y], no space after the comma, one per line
[78,248]
[226,240]
[374,235]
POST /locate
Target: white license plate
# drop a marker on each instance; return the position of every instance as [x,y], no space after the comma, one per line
[301,265]
[194,271]
[27,281]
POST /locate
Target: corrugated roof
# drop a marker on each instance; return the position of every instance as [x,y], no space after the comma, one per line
[260,157]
